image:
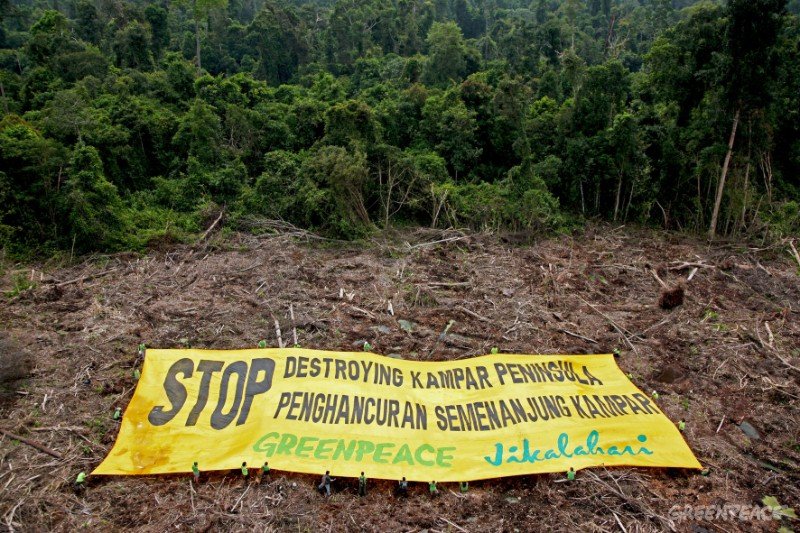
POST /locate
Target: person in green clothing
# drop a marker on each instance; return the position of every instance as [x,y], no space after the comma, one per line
[79,485]
[464,485]
[571,474]
[264,471]
[140,351]
[196,472]
[117,413]
[245,473]
[433,489]
[362,485]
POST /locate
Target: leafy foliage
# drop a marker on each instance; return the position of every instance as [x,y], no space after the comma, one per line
[123,123]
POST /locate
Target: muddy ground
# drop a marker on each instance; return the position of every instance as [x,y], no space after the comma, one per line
[730,353]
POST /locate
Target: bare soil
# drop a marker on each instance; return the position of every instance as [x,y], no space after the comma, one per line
[728,353]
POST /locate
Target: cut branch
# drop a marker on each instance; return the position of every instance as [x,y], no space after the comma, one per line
[622,331]
[86,278]
[794,252]
[577,336]
[212,226]
[33,443]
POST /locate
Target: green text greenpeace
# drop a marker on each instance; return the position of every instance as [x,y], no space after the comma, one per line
[354,450]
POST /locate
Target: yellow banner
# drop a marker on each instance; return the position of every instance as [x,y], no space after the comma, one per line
[311,411]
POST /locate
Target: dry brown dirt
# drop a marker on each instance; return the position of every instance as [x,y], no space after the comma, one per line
[729,353]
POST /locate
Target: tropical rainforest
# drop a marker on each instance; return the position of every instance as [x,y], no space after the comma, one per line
[126,122]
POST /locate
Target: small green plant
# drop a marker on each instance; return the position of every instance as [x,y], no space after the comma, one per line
[20,284]
[97,426]
[712,316]
[778,510]
[685,403]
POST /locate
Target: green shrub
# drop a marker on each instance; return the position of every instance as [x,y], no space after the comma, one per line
[91,203]
[150,224]
[274,194]
[783,220]
[20,283]
[521,201]
[331,196]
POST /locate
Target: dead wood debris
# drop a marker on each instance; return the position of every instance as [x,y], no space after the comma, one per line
[276,277]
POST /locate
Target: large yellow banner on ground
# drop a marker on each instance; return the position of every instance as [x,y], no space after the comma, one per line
[311,411]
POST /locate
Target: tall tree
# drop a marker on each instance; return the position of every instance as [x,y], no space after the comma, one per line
[447,54]
[92,204]
[87,23]
[132,47]
[753,27]
[159,28]
[276,35]
[200,11]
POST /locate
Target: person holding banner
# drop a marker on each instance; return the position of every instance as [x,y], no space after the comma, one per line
[362,485]
[402,487]
[264,471]
[196,473]
[325,485]
[245,473]
[79,485]
[433,489]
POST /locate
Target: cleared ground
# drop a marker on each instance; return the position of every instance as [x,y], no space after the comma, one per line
[728,354]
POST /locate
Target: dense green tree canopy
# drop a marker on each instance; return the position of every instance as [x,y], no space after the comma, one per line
[123,122]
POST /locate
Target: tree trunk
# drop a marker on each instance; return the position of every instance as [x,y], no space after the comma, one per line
[765,161]
[3,96]
[744,197]
[197,43]
[619,192]
[630,201]
[712,230]
[597,199]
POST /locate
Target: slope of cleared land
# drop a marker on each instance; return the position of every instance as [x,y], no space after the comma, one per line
[729,354]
